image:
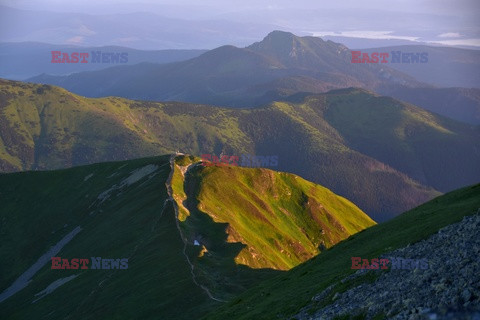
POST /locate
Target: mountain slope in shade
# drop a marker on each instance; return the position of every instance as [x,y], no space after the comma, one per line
[384,155]
[446,66]
[462,104]
[125,210]
[303,286]
[401,135]
[121,211]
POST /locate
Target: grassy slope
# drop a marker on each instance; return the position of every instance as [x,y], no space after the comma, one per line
[134,221]
[405,137]
[255,218]
[281,218]
[320,153]
[44,127]
[286,294]
[39,208]
[355,154]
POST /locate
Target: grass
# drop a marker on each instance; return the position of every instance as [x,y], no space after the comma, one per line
[289,292]
[134,221]
[281,219]
[39,208]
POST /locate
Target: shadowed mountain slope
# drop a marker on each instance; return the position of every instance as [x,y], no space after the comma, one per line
[178,266]
[318,282]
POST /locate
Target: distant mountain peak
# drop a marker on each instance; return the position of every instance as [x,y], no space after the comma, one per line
[297,52]
[283,45]
[278,34]
[275,40]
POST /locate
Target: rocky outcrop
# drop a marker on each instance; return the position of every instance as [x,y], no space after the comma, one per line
[448,289]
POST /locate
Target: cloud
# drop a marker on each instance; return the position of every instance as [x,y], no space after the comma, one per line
[85,31]
[366,34]
[450,35]
[459,42]
[76,40]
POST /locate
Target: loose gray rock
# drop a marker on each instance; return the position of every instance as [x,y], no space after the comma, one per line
[448,289]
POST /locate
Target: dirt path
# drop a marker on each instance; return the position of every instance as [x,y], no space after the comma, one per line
[168,184]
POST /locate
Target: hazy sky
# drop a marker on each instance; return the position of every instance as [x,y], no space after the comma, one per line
[454,22]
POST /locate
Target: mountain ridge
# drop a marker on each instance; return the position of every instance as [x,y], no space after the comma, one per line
[332,220]
[317,137]
[243,68]
[277,67]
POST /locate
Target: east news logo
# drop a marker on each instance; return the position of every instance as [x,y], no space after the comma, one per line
[97,263]
[396,57]
[391,263]
[246,160]
[96,57]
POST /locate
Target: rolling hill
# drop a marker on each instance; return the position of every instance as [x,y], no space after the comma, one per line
[384,155]
[181,264]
